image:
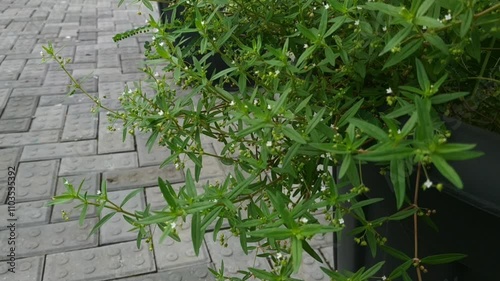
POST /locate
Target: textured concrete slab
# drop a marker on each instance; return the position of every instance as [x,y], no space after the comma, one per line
[310,269]
[99,163]
[191,273]
[9,157]
[327,253]
[20,139]
[28,269]
[64,99]
[103,263]
[36,180]
[90,185]
[19,107]
[26,213]
[153,157]
[59,150]
[141,177]
[112,141]
[117,228]
[49,118]
[14,125]
[50,238]
[80,127]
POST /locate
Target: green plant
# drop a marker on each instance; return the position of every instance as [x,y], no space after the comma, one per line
[323,88]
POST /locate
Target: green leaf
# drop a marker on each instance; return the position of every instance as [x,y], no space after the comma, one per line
[370,129]
[293,135]
[437,42]
[210,217]
[446,170]
[402,214]
[410,48]
[424,7]
[240,187]
[428,21]
[466,23]
[130,196]
[350,113]
[398,38]
[442,258]
[315,120]
[306,33]
[196,232]
[276,233]
[302,104]
[83,214]
[423,79]
[296,254]
[251,129]
[464,155]
[395,253]
[262,274]
[398,180]
[346,163]
[386,154]
[371,271]
[424,126]
[444,98]
[160,217]
[384,8]
[104,188]
[168,193]
[398,271]
[100,223]
[366,202]
[190,186]
[148,4]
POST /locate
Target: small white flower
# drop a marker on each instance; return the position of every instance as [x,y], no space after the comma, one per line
[291,55]
[162,44]
[255,102]
[384,278]
[213,38]
[388,90]
[202,22]
[66,182]
[155,30]
[327,6]
[232,103]
[173,225]
[399,131]
[157,74]
[447,17]
[359,7]
[153,38]
[324,188]
[41,53]
[177,166]
[341,221]
[130,91]
[279,256]
[146,21]
[424,27]
[304,220]
[384,28]
[356,22]
[277,72]
[428,183]
[269,107]
[161,113]
[306,46]
[269,143]
[98,192]
[68,37]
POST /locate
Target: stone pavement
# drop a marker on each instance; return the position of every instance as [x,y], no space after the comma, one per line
[46,135]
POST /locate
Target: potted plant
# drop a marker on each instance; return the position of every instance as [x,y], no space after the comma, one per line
[324,90]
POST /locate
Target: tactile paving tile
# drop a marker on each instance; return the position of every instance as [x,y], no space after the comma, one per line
[117,228]
[103,263]
[40,91]
[192,273]
[172,254]
[59,150]
[321,240]
[111,90]
[233,256]
[18,107]
[157,154]
[112,141]
[64,99]
[141,177]
[80,127]
[89,185]
[9,157]
[211,167]
[82,108]
[4,96]
[28,269]
[36,180]
[18,139]
[327,253]
[310,269]
[48,117]
[27,213]
[14,125]
[50,238]
[98,163]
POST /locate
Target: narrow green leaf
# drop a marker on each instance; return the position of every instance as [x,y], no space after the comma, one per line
[424,7]
[100,223]
[442,258]
[410,48]
[306,32]
[444,98]
[398,38]
[437,42]
[372,242]
[424,127]
[350,113]
[395,253]
[369,273]
[83,214]
[315,120]
[293,135]
[130,196]
[262,274]
[398,180]
[276,233]
[464,155]
[190,186]
[245,132]
[302,104]
[402,214]
[423,79]
[370,129]
[296,254]
[104,188]
[398,271]
[308,52]
[384,8]
[428,22]
[366,202]
[446,170]
[148,4]
[196,233]
[210,217]
[346,162]
[386,154]
[466,23]
[167,191]
[240,187]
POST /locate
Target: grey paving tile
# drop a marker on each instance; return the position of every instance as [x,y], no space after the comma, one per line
[20,139]
[117,228]
[211,167]
[49,117]
[191,273]
[14,125]
[64,99]
[9,157]
[36,180]
[41,91]
[50,238]
[28,269]
[19,107]
[103,263]
[56,78]
[99,163]
[90,185]
[147,157]
[310,269]
[27,213]
[4,96]
[141,177]
[81,108]
[234,258]
[80,127]
[111,90]
[321,240]
[112,141]
[59,150]
[327,253]
[172,254]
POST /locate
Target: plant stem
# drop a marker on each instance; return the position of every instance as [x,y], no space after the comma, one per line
[490,9]
[483,68]
[415,221]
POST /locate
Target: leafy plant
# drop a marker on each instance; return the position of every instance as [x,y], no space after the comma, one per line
[320,89]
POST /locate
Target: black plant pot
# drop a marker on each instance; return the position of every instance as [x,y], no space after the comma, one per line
[466,219]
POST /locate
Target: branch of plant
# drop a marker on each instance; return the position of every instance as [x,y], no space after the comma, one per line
[415,222]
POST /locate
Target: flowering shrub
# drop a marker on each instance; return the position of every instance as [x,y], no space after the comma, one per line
[302,94]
